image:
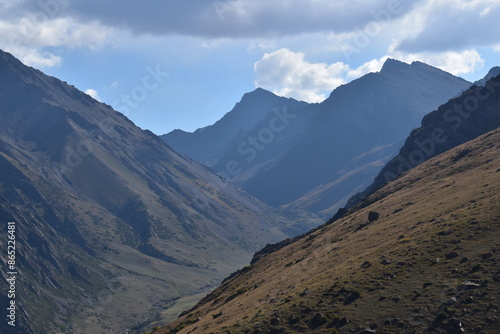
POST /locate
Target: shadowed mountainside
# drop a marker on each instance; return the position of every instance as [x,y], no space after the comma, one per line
[108,216]
[461,119]
[315,157]
[421,255]
[209,143]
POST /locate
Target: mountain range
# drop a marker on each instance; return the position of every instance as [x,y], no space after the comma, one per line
[109,218]
[314,157]
[116,232]
[417,254]
[459,120]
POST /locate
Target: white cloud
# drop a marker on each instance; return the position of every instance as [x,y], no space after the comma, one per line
[34,56]
[93,93]
[27,37]
[464,62]
[67,32]
[287,73]
[372,66]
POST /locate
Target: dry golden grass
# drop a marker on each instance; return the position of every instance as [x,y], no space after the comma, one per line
[429,262]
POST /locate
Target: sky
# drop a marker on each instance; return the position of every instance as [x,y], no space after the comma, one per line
[184,64]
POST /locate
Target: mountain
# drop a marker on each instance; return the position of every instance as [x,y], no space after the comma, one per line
[209,143]
[419,255]
[461,119]
[493,72]
[112,225]
[325,153]
[359,127]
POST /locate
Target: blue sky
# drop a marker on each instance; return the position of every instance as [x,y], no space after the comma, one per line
[184,64]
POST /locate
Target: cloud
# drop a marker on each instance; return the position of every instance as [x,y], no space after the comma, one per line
[456,63]
[34,56]
[453,25]
[221,18]
[93,93]
[27,37]
[374,65]
[287,73]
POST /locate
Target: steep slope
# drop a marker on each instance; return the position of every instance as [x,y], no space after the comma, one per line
[357,129]
[208,144]
[108,216]
[421,255]
[461,119]
[254,150]
[493,72]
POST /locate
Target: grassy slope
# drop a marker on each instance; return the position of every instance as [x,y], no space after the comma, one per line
[397,274]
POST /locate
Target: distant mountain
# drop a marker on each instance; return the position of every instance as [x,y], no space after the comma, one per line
[111,223]
[493,72]
[461,119]
[209,143]
[420,256]
[350,136]
[314,157]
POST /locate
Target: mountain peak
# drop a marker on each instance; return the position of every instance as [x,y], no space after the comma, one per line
[493,72]
[258,92]
[393,65]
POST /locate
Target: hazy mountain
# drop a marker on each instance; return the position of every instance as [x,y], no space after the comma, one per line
[461,119]
[111,222]
[209,143]
[420,255]
[350,136]
[493,72]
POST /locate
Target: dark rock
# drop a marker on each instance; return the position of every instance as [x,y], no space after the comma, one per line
[318,320]
[307,310]
[305,292]
[447,232]
[373,216]
[469,299]
[451,301]
[464,259]
[468,286]
[452,255]
[275,321]
[217,315]
[386,261]
[344,321]
[453,326]
[366,264]
[487,256]
[294,319]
